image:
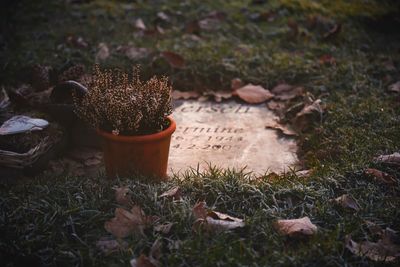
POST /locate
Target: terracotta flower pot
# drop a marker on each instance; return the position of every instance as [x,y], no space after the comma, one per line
[143,154]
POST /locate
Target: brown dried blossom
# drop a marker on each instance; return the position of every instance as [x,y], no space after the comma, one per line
[124,104]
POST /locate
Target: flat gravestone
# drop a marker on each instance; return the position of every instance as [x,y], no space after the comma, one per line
[228,135]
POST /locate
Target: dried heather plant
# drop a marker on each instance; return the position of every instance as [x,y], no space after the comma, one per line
[124,104]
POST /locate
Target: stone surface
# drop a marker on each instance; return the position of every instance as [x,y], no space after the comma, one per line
[229,135]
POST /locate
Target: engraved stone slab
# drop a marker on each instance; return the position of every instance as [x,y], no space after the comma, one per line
[228,135]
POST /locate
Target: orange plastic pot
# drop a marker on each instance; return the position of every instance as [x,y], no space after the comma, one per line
[138,154]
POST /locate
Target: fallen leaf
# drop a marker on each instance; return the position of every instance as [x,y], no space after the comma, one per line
[174,60]
[287,92]
[380,251]
[176,94]
[236,83]
[174,193]
[392,159]
[285,130]
[213,221]
[127,222]
[382,177]
[308,114]
[253,94]
[142,261]
[163,228]
[334,31]
[296,227]
[109,246]
[347,201]
[102,53]
[199,210]
[152,260]
[395,87]
[139,24]
[122,196]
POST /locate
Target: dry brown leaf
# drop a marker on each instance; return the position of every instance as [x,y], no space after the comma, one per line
[139,24]
[174,193]
[296,227]
[127,222]
[383,250]
[236,83]
[213,221]
[395,87]
[199,210]
[142,261]
[285,130]
[347,201]
[122,196]
[102,53]
[163,228]
[309,113]
[392,159]
[253,94]
[174,60]
[176,94]
[109,246]
[285,91]
[380,176]
[152,260]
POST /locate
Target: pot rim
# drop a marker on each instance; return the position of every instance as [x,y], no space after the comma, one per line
[141,138]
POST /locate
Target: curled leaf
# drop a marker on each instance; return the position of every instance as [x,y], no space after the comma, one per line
[253,94]
[307,115]
[174,193]
[285,130]
[296,227]
[347,201]
[163,228]
[213,221]
[392,159]
[380,176]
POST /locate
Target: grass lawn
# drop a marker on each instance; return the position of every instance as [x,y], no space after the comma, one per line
[58,220]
